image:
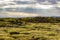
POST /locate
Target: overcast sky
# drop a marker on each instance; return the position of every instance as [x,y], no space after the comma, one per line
[40,7]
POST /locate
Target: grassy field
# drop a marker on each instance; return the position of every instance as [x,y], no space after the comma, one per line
[19,29]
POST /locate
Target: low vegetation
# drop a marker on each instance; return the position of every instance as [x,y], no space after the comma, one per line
[37,28]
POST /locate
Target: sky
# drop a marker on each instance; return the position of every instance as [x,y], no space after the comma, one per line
[36,7]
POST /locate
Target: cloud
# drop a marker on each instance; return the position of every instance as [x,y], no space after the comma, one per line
[31,6]
[24,3]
